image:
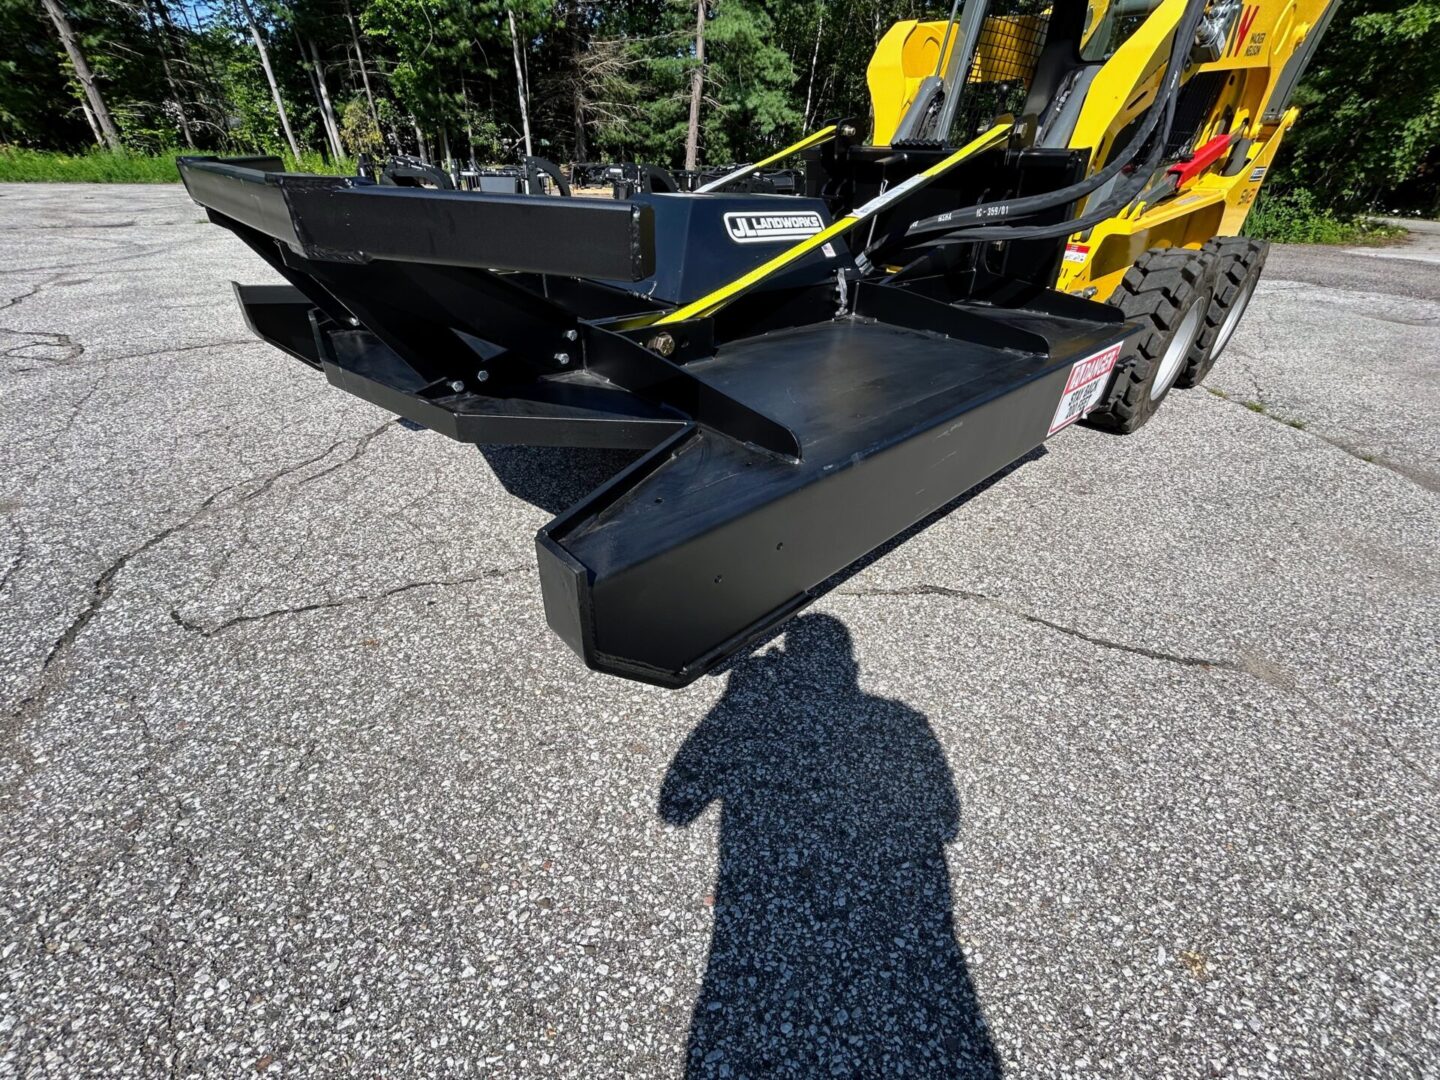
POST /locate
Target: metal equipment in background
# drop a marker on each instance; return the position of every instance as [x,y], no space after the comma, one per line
[807,375]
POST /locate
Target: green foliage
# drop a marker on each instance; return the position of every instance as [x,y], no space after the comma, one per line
[102,167]
[358,129]
[641,99]
[1369,132]
[32,81]
[447,51]
[1295,217]
[95,166]
[610,79]
[748,85]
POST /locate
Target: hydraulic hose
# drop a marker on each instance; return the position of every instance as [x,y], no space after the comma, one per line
[971,218]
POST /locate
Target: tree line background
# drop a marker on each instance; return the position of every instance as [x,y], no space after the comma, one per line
[597,80]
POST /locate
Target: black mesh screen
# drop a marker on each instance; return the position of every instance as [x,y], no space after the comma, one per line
[1003,66]
[1197,99]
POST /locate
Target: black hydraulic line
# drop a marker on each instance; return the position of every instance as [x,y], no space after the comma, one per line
[1164,105]
[1118,199]
[1132,187]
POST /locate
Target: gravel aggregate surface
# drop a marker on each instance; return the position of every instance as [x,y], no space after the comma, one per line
[1127,764]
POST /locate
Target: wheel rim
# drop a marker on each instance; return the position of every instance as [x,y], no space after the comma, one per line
[1232,317]
[1179,347]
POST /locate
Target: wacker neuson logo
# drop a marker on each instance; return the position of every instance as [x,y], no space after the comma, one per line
[752,228]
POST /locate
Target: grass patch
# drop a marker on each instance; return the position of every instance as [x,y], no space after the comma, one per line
[102,167]
[1254,406]
[1217,393]
[1298,425]
[1293,217]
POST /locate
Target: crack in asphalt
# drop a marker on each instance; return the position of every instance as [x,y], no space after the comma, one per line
[357,452]
[61,341]
[1243,358]
[79,225]
[1010,609]
[1398,320]
[204,631]
[52,667]
[12,569]
[34,290]
[134,252]
[100,592]
[67,341]
[1423,478]
[168,349]
[1375,739]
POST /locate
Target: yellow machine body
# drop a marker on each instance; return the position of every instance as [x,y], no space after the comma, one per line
[1131,45]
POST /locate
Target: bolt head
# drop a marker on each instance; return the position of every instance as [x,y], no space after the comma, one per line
[572,335]
[482,376]
[562,358]
[457,385]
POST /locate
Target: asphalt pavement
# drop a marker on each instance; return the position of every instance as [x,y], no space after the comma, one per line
[1127,765]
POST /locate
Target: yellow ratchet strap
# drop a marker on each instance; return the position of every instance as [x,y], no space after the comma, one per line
[824,135]
[712,302]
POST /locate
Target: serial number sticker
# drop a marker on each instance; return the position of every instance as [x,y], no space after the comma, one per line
[1083,389]
[1076,253]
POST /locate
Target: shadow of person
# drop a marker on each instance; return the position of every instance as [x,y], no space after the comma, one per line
[833,951]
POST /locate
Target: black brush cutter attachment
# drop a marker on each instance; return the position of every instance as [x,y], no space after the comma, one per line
[806,419]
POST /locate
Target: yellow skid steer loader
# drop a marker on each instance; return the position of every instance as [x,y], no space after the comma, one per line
[1231,113]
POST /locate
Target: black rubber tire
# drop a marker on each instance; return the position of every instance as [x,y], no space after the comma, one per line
[1159,292]
[1238,264]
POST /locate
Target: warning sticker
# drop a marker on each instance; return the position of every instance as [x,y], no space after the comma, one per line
[1088,379]
[1076,253]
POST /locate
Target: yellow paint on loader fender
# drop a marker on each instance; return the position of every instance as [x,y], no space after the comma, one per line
[910,52]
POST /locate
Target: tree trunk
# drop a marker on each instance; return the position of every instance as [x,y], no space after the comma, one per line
[269,76]
[90,119]
[520,83]
[205,84]
[161,36]
[364,71]
[108,132]
[814,59]
[697,91]
[469,124]
[420,149]
[327,151]
[327,111]
[582,149]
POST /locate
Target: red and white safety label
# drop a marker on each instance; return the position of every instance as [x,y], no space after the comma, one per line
[1077,253]
[1087,381]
